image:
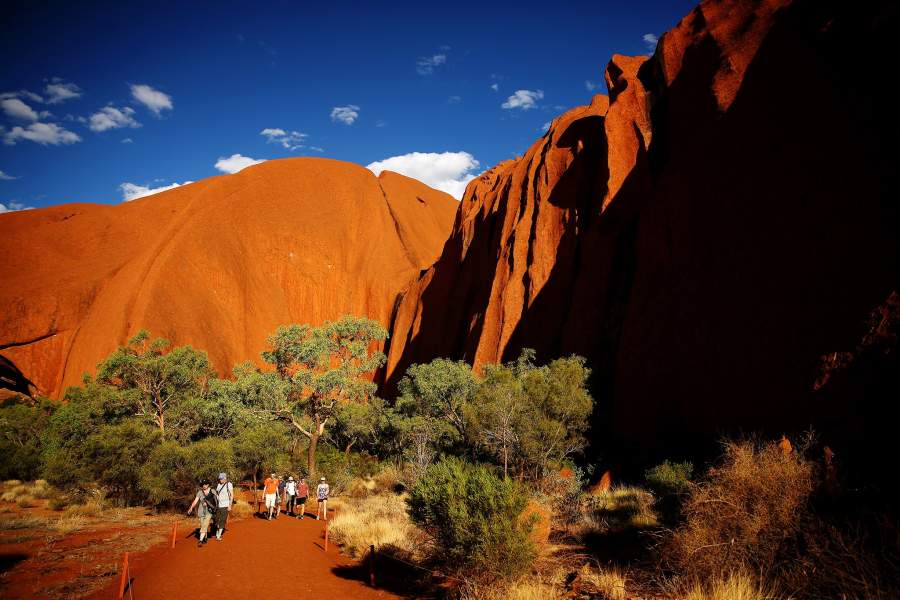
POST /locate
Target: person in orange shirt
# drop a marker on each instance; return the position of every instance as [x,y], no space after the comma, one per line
[271,493]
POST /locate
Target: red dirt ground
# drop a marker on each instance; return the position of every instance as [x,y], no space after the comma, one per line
[255,556]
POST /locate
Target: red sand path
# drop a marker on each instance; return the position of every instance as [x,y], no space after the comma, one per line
[255,557]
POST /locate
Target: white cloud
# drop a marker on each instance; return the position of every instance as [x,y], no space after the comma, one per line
[133,191]
[15,108]
[288,139]
[381,123]
[317,149]
[5,177]
[591,86]
[41,133]
[426,64]
[236,162]
[59,91]
[454,99]
[445,171]
[345,114]
[153,99]
[110,117]
[31,96]
[127,141]
[495,87]
[13,206]
[545,126]
[650,39]
[523,99]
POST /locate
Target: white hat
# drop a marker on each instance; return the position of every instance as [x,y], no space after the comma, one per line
[291,478]
[321,479]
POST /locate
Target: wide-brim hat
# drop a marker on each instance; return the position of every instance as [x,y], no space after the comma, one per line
[321,479]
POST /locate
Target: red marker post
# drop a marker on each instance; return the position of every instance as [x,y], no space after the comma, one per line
[123,580]
[174,532]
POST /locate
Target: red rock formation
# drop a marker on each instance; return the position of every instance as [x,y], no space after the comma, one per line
[217,264]
[728,216]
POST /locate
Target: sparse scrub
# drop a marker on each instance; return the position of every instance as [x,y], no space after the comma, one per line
[622,507]
[609,584]
[740,518]
[25,501]
[58,503]
[670,478]
[70,523]
[241,510]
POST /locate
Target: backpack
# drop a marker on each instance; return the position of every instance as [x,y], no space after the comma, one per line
[210,500]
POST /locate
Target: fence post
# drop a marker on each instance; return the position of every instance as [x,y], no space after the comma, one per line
[326,536]
[372,565]
[174,532]
[123,580]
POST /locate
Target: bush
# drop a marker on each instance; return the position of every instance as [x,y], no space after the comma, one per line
[621,508]
[474,517]
[741,517]
[670,478]
[58,503]
[172,473]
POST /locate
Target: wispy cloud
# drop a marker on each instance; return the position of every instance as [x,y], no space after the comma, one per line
[345,114]
[127,141]
[454,99]
[133,191]
[592,86]
[426,64]
[58,91]
[41,133]
[291,140]
[545,127]
[236,162]
[110,117]
[495,87]
[155,100]
[445,171]
[5,177]
[523,100]
[650,39]
[13,206]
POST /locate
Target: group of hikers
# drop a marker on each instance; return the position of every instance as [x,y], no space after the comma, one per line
[214,503]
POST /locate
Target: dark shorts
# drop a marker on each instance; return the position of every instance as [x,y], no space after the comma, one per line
[301,499]
[221,517]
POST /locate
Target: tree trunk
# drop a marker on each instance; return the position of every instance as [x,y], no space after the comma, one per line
[505,461]
[311,455]
[347,450]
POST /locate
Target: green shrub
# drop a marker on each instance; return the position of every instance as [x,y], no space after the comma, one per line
[474,517]
[172,472]
[670,478]
[58,503]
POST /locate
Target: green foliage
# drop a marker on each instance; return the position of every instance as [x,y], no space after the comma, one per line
[475,518]
[173,471]
[670,478]
[161,378]
[261,448]
[322,367]
[531,418]
[21,426]
[114,455]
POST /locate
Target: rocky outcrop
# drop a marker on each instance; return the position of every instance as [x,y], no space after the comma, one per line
[725,218]
[217,264]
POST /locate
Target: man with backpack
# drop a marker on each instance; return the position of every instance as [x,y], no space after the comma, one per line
[224,500]
[322,496]
[205,501]
[302,494]
[282,485]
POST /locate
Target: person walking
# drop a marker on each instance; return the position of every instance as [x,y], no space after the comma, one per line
[270,491]
[282,482]
[206,504]
[290,494]
[322,492]
[302,494]
[224,498]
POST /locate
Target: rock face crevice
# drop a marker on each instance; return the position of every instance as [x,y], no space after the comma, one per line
[217,264]
[703,236]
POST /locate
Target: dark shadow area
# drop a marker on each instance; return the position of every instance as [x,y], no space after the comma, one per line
[8,561]
[394,577]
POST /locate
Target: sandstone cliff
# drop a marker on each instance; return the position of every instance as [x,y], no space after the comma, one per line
[703,236]
[217,264]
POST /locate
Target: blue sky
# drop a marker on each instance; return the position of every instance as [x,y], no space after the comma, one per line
[97,97]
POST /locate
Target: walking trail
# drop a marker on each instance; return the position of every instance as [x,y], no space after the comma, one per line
[256,557]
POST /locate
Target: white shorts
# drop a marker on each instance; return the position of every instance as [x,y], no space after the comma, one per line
[270,500]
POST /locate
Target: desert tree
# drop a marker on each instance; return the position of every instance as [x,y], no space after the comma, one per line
[324,367]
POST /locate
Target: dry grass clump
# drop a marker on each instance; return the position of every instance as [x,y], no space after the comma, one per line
[41,490]
[25,501]
[21,522]
[735,586]
[70,523]
[92,508]
[620,508]
[608,584]
[11,483]
[241,510]
[14,492]
[381,521]
[534,587]
[751,504]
